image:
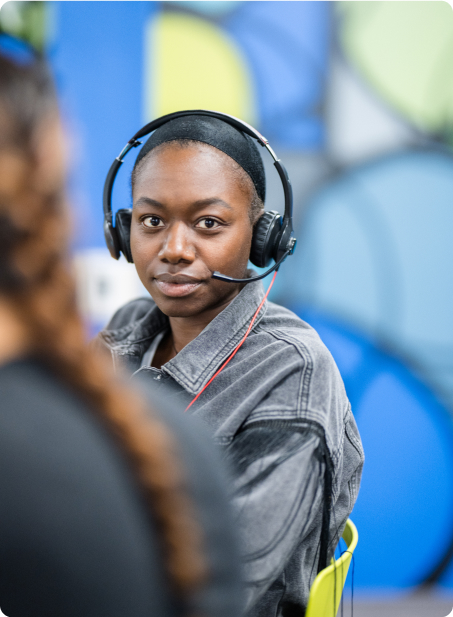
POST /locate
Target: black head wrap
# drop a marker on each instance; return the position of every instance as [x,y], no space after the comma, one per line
[239,146]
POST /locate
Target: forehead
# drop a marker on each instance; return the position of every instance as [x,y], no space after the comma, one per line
[192,166]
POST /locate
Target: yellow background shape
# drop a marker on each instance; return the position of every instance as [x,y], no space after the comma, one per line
[405,51]
[192,64]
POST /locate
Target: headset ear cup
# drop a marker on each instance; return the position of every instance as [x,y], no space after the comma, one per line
[264,238]
[123,228]
[111,237]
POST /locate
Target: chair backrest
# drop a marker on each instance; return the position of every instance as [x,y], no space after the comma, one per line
[325,593]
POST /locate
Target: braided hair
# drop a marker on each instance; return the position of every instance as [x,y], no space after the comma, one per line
[37,282]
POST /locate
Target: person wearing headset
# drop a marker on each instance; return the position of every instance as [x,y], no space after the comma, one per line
[258,376]
[111,504]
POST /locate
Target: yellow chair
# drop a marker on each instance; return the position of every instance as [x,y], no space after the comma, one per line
[325,593]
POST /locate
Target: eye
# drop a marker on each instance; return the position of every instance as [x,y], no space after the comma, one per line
[208,223]
[153,221]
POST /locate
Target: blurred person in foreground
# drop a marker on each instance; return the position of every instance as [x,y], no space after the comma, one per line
[105,509]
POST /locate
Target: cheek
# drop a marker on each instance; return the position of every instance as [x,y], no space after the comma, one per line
[230,254]
[143,248]
[237,246]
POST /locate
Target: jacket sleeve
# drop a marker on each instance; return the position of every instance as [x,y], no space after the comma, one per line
[279,490]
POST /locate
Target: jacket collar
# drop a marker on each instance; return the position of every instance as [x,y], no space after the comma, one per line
[198,361]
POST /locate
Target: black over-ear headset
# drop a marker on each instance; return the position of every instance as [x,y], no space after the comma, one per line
[272,236]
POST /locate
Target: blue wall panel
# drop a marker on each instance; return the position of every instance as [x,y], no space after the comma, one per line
[287,46]
[98,59]
[405,504]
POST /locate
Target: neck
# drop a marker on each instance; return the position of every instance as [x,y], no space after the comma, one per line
[13,338]
[186,329]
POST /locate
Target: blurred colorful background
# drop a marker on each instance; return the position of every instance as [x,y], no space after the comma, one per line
[357,100]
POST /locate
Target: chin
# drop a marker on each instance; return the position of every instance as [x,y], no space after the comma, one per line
[178,311]
[181,307]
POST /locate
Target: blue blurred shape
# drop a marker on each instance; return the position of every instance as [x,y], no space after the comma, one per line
[16,50]
[446,579]
[404,511]
[376,250]
[98,58]
[286,45]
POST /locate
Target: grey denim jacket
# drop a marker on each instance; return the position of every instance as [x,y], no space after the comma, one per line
[280,412]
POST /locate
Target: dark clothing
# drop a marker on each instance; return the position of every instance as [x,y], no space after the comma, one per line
[280,411]
[76,537]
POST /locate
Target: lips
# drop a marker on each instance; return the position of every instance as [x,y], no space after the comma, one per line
[176,286]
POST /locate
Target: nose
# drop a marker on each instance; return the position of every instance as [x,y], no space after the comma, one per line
[177,247]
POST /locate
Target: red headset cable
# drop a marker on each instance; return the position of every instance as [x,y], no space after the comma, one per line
[238,346]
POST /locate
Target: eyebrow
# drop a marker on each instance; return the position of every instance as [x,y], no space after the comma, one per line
[147,201]
[196,205]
